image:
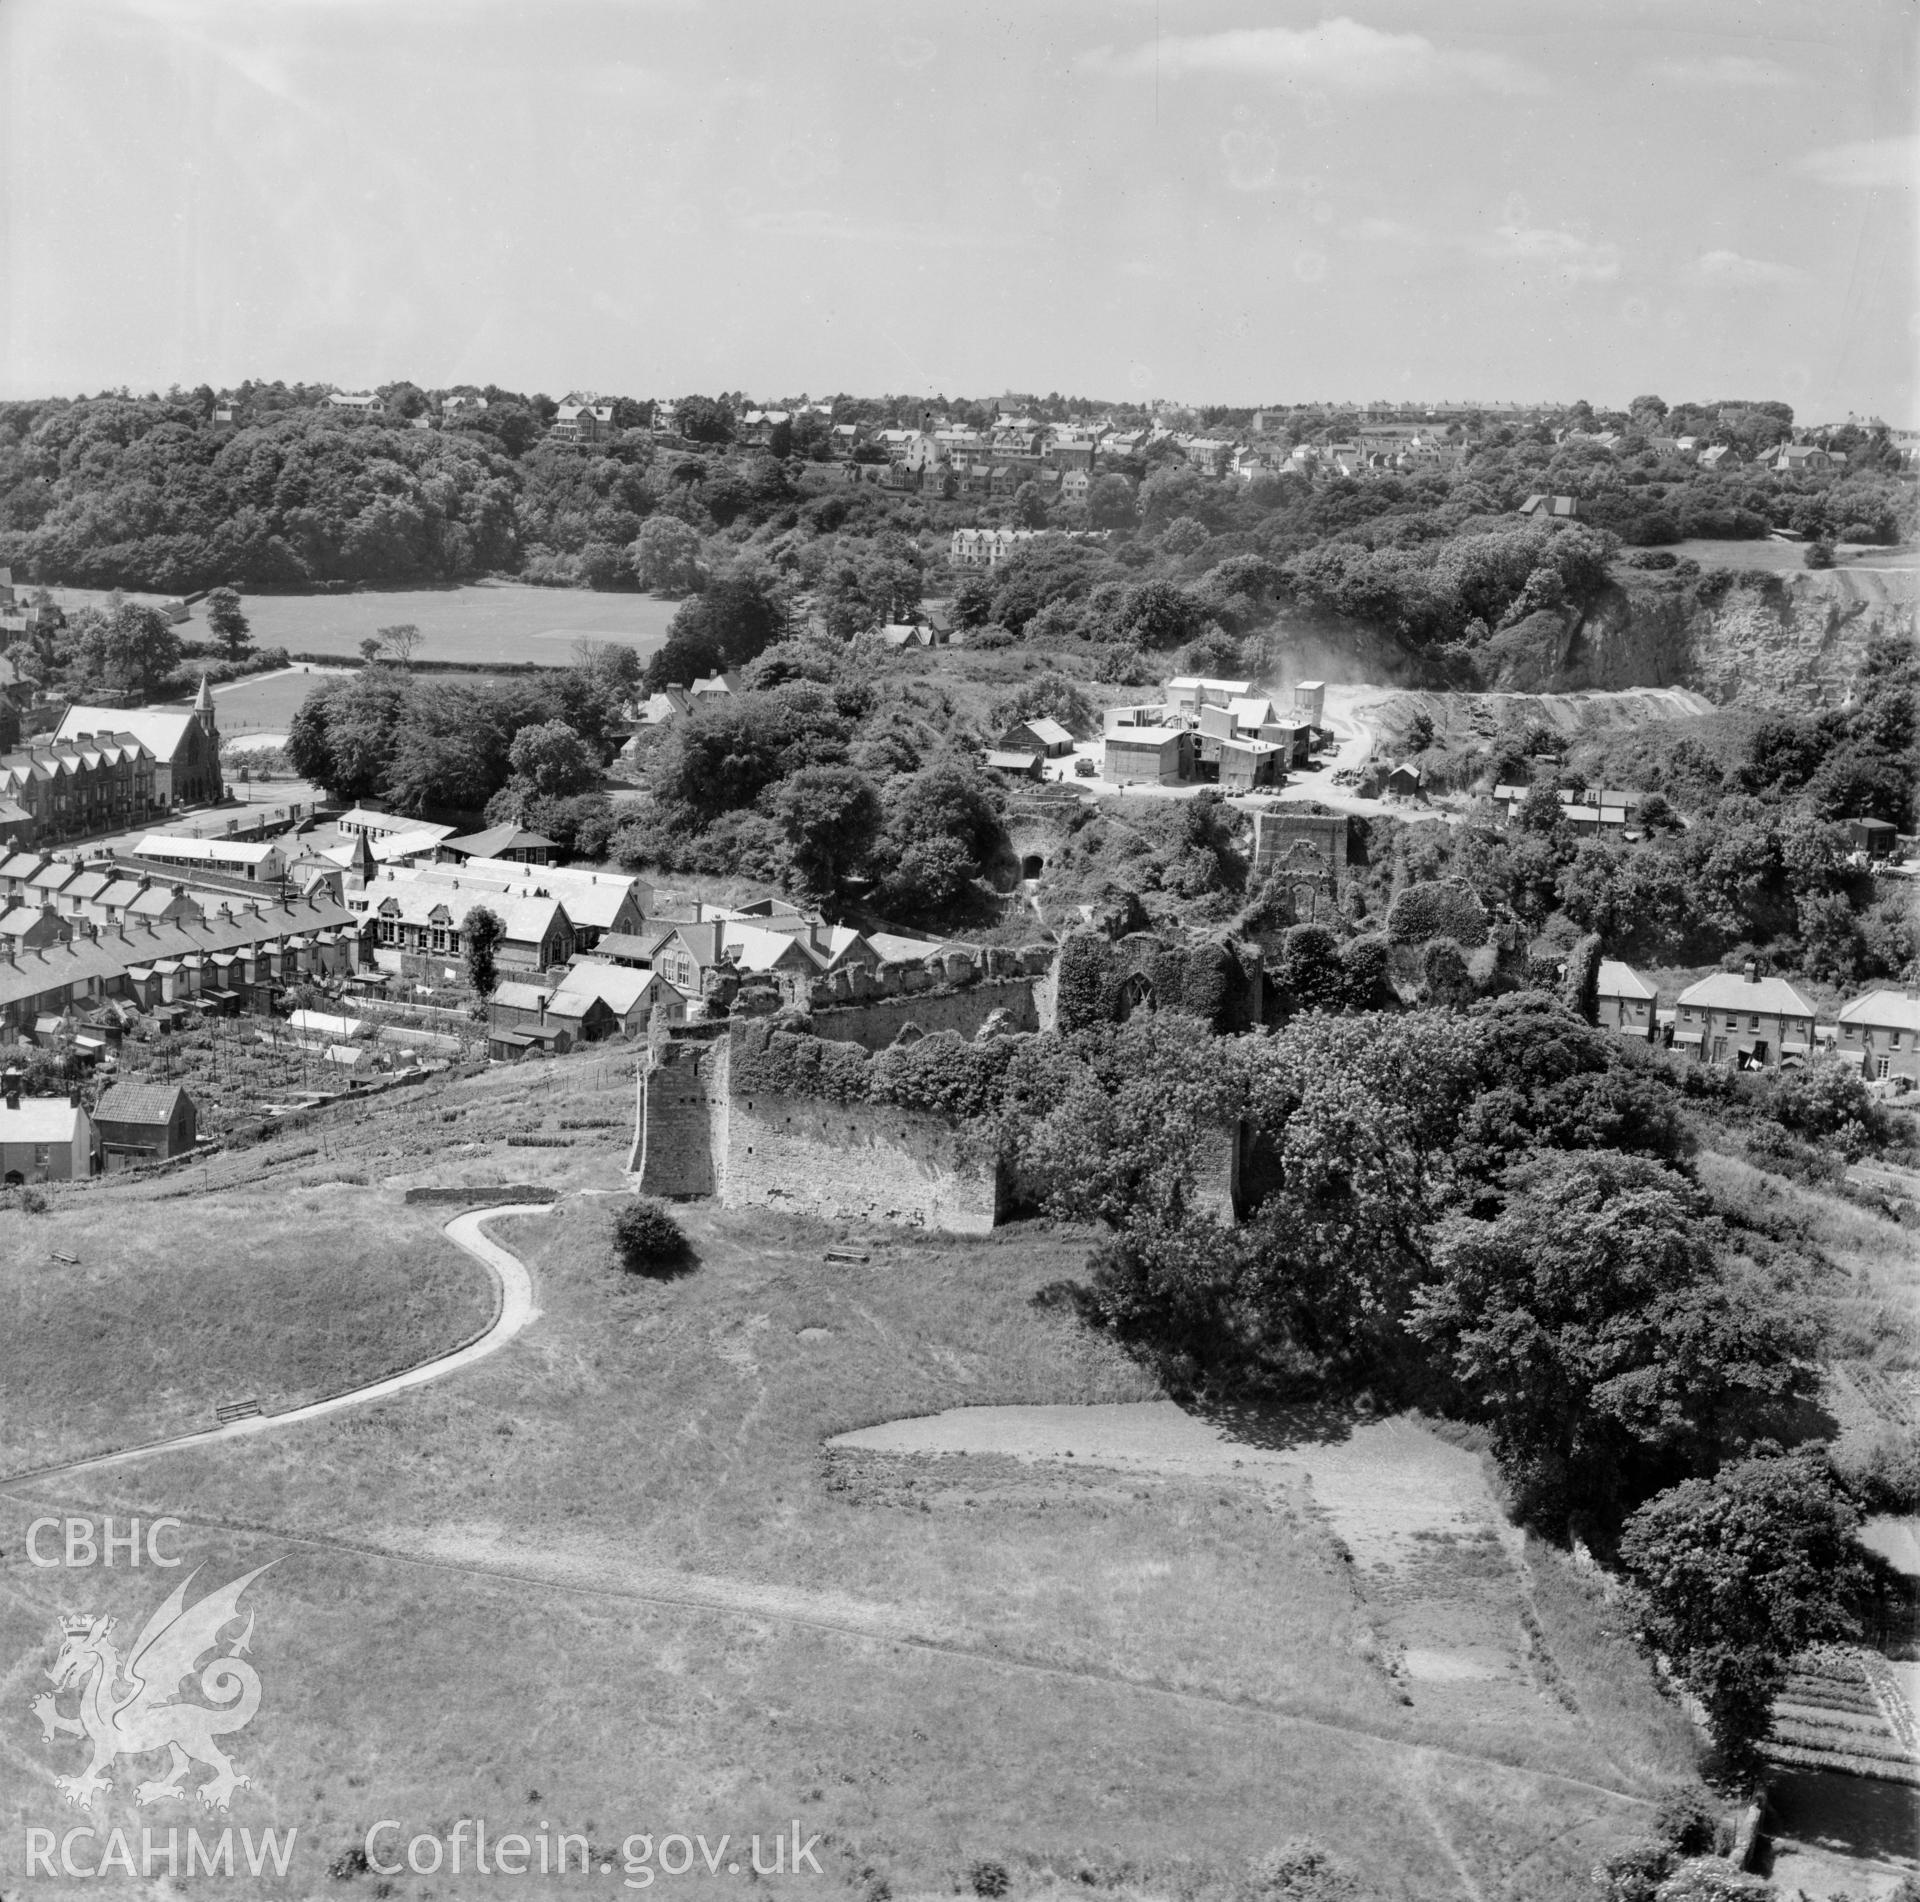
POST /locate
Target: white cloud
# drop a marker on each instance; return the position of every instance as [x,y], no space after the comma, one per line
[1336,56]
[1892,162]
[1573,257]
[1729,267]
[1721,69]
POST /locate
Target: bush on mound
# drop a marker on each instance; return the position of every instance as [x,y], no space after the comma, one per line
[648,1239]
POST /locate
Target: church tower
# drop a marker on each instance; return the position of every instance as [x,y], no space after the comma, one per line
[206,749]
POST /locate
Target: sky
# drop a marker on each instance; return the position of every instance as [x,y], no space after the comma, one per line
[1213,201]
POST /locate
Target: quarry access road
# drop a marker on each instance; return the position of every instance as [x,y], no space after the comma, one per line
[514,1313]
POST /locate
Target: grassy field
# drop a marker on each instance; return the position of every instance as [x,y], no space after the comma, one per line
[264,704]
[609,1581]
[485,623]
[1780,558]
[196,1302]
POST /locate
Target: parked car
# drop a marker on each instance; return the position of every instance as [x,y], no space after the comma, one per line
[1085,768]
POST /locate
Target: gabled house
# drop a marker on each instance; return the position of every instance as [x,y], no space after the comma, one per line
[1753,1022]
[144,1122]
[1881,1033]
[44,1138]
[631,997]
[1628,1003]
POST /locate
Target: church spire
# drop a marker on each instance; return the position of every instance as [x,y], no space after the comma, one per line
[203,700]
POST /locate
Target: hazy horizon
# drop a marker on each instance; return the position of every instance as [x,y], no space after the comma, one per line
[1217,202]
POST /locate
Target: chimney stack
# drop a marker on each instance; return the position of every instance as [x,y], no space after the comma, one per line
[1750,971]
[13,1081]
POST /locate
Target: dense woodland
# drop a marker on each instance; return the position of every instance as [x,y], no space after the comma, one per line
[153,493]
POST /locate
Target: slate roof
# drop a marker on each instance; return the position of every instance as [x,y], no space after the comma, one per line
[619,986]
[1729,990]
[498,839]
[151,1103]
[39,1119]
[1621,980]
[159,729]
[1890,1010]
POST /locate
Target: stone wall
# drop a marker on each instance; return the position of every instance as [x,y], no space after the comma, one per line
[682,1093]
[863,1162]
[876,1022]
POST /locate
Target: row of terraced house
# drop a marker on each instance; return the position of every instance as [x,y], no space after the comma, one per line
[1750,1021]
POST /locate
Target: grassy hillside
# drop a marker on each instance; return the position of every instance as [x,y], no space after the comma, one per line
[609,1580]
[169,1308]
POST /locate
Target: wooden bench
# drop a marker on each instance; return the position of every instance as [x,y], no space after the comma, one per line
[228,1411]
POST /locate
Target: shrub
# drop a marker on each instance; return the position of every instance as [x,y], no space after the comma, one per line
[1654,558]
[1298,1871]
[1859,532]
[1883,1473]
[1819,554]
[648,1238]
[1688,1821]
[1432,908]
[988,1878]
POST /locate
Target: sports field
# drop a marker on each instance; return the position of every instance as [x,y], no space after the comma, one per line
[489,622]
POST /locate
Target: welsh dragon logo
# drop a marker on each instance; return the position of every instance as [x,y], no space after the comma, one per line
[128,1710]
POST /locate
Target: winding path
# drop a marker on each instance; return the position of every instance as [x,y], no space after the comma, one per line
[515,1313]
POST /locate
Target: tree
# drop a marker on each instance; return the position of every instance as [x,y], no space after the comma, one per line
[130,646]
[702,419]
[830,816]
[1029,506]
[1591,1324]
[402,642]
[369,648]
[1110,503]
[485,932]
[1444,977]
[1739,1572]
[729,623]
[1159,614]
[226,623]
[550,761]
[1308,975]
[666,555]
[865,585]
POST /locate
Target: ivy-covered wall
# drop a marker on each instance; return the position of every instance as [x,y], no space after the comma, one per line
[1102,982]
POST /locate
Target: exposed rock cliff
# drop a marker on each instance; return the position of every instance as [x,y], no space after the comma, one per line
[1753,636]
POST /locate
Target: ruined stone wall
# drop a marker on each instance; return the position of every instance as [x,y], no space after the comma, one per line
[864,1162]
[876,1022]
[674,1152]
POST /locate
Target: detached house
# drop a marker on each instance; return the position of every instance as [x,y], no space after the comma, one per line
[1753,1022]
